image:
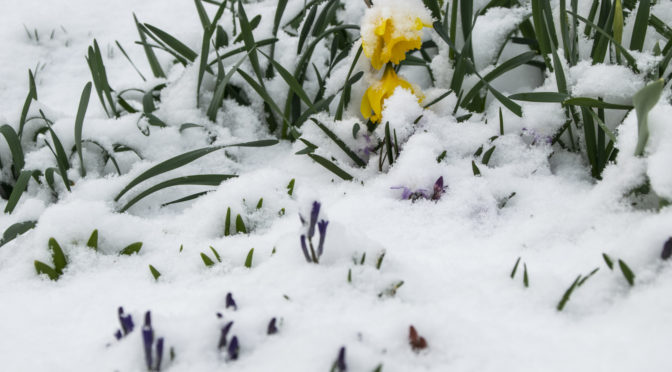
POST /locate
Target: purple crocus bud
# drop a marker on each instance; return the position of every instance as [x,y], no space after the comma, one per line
[314,212]
[148,319]
[118,334]
[219,315]
[322,228]
[439,189]
[148,340]
[233,348]
[230,302]
[223,335]
[304,248]
[159,354]
[667,249]
[126,321]
[272,328]
[340,362]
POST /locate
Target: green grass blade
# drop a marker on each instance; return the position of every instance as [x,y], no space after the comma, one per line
[568,294]
[79,123]
[186,198]
[261,91]
[131,249]
[61,158]
[201,180]
[644,101]
[641,23]
[173,43]
[130,61]
[305,30]
[331,166]
[345,96]
[544,97]
[217,256]
[32,95]
[227,222]
[218,95]
[500,70]
[184,159]
[594,103]
[151,57]
[248,38]
[290,80]
[340,144]
[202,14]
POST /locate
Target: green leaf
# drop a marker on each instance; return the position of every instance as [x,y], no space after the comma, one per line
[474,168]
[151,57]
[79,123]
[227,222]
[627,273]
[61,158]
[18,190]
[568,294]
[340,143]
[240,225]
[32,95]
[130,61]
[433,6]
[290,187]
[57,256]
[186,158]
[331,167]
[261,91]
[608,261]
[547,97]
[594,103]
[487,155]
[206,260]
[186,198]
[214,251]
[641,23]
[15,230]
[173,43]
[218,95]
[289,79]
[93,240]
[132,248]
[260,203]
[644,101]
[515,268]
[500,70]
[43,268]
[307,24]
[248,38]
[155,273]
[200,179]
[14,143]
[248,260]
[345,96]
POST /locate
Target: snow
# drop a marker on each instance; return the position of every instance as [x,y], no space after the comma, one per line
[454,256]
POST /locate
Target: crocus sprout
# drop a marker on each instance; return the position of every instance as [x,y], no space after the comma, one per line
[437,190]
[339,364]
[223,336]
[230,302]
[272,327]
[307,247]
[152,358]
[126,322]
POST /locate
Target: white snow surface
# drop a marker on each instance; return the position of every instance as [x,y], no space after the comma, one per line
[454,256]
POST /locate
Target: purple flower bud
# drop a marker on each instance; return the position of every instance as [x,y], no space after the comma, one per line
[219,315]
[322,228]
[148,319]
[148,340]
[439,189]
[126,322]
[118,334]
[223,335]
[230,302]
[304,248]
[667,249]
[272,328]
[159,353]
[313,219]
[233,348]
[340,362]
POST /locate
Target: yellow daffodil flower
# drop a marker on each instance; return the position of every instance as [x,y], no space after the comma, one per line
[391,30]
[377,93]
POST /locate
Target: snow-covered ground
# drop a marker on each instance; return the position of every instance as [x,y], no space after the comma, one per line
[454,256]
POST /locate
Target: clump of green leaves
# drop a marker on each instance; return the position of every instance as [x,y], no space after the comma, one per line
[58,259]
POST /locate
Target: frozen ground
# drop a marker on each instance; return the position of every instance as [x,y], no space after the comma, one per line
[454,256]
